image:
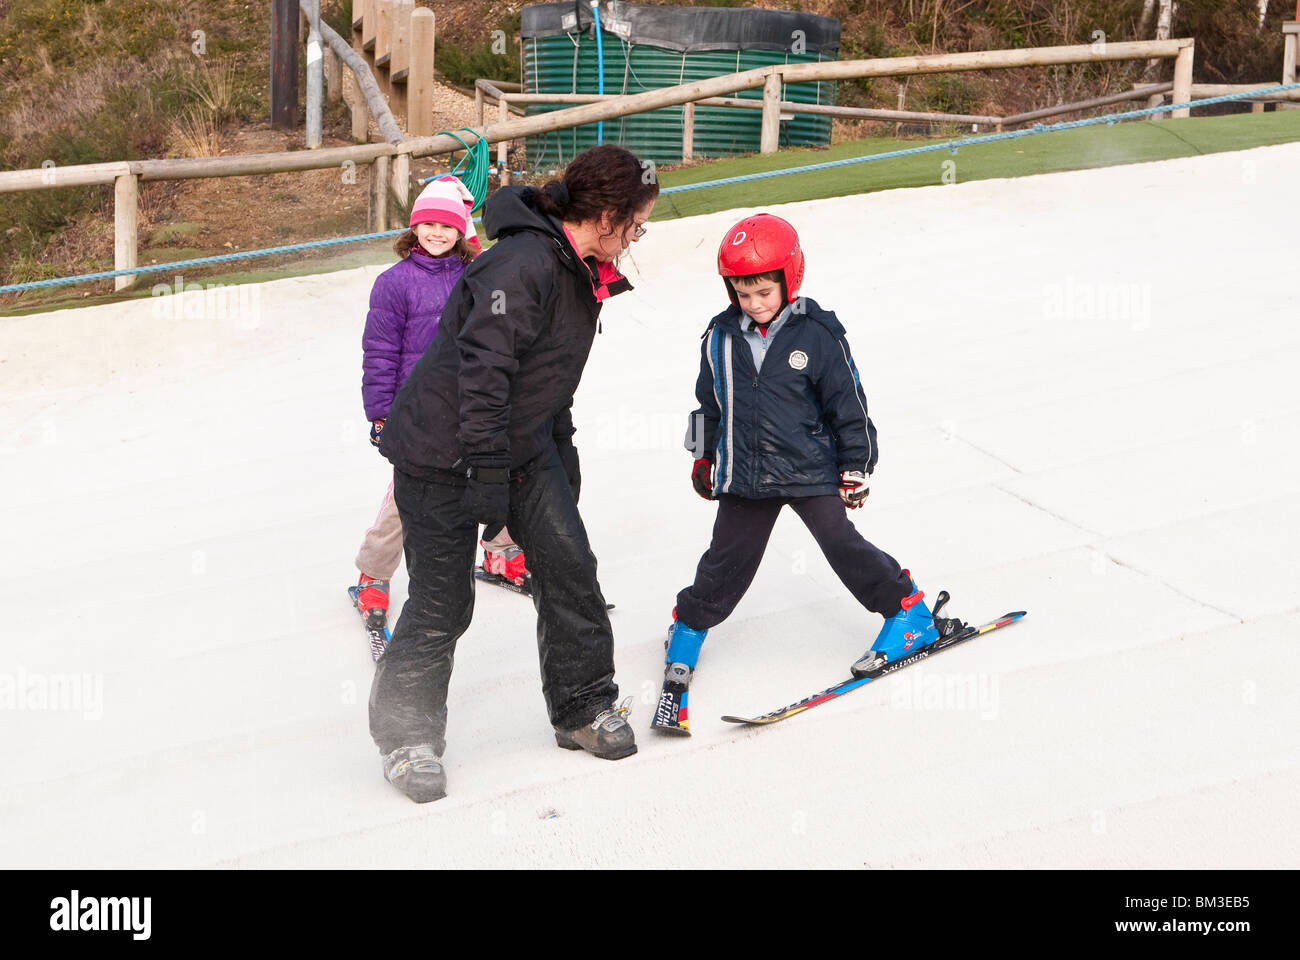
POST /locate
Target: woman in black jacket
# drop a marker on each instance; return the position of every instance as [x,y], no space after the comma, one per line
[481,432]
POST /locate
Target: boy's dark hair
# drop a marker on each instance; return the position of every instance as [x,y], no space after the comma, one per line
[409,241]
[602,178]
[769,276]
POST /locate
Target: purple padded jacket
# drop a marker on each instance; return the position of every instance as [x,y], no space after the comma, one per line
[405,306]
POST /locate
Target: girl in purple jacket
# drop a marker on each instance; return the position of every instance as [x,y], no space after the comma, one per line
[405,306]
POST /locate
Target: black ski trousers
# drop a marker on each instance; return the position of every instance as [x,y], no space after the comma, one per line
[740,535]
[408,698]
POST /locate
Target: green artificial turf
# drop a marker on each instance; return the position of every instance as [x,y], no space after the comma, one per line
[1049,152]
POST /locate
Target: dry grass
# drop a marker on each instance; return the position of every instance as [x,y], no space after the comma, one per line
[80,95]
[88,243]
[214,88]
[195,133]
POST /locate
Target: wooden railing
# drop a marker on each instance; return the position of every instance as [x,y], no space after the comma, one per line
[391,162]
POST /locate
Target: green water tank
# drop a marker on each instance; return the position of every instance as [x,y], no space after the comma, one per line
[648,47]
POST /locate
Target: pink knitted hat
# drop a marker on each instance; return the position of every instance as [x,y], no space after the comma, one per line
[444,200]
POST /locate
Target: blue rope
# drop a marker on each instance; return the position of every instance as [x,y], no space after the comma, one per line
[951,146]
[201,261]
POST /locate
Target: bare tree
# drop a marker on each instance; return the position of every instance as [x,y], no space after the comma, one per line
[1163,22]
[1148,7]
[1263,12]
[1165,19]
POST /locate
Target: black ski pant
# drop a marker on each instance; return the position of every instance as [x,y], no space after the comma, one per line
[740,535]
[408,698]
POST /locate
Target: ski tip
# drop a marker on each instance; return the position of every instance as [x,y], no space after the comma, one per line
[746,720]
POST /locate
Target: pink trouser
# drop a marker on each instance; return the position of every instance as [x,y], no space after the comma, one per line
[381,547]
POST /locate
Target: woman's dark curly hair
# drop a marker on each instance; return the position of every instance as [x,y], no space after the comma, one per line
[600,179]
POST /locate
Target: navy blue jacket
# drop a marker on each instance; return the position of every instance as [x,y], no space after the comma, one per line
[791,428]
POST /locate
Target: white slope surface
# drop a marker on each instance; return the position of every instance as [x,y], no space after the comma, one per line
[1086,394]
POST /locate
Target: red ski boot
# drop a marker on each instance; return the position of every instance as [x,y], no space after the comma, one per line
[372,601]
[508,564]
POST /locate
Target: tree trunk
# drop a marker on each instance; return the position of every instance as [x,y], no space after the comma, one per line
[1148,7]
[1165,19]
[1263,13]
[1163,22]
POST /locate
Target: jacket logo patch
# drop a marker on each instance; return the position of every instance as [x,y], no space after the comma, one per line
[798,359]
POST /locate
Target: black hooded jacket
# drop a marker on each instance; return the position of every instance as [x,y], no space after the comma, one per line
[500,374]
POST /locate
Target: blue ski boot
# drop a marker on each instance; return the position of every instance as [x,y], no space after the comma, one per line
[671,714]
[683,651]
[911,629]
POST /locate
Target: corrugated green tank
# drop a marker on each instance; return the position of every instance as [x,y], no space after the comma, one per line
[649,47]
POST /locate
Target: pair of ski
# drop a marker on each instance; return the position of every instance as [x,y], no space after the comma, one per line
[672,715]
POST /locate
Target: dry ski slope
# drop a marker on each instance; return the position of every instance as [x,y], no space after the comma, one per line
[1084,385]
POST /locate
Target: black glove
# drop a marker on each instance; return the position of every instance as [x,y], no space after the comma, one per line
[572,470]
[487,494]
[376,431]
[702,477]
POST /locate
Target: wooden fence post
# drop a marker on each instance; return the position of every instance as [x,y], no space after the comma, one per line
[688,131]
[399,66]
[1183,80]
[401,182]
[356,100]
[284,63]
[125,241]
[419,75]
[369,23]
[378,217]
[333,76]
[770,133]
[357,108]
[503,147]
[383,45]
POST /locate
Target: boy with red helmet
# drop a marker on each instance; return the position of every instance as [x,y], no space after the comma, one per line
[782,420]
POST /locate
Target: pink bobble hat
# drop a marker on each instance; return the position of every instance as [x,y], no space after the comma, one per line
[444,200]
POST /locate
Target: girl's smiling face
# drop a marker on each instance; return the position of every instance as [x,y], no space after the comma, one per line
[436,239]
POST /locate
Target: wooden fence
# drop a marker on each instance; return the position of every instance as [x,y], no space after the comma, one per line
[390,162]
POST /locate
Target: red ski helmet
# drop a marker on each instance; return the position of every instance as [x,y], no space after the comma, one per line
[759,244]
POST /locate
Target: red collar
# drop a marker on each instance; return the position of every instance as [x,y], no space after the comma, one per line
[606,272]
